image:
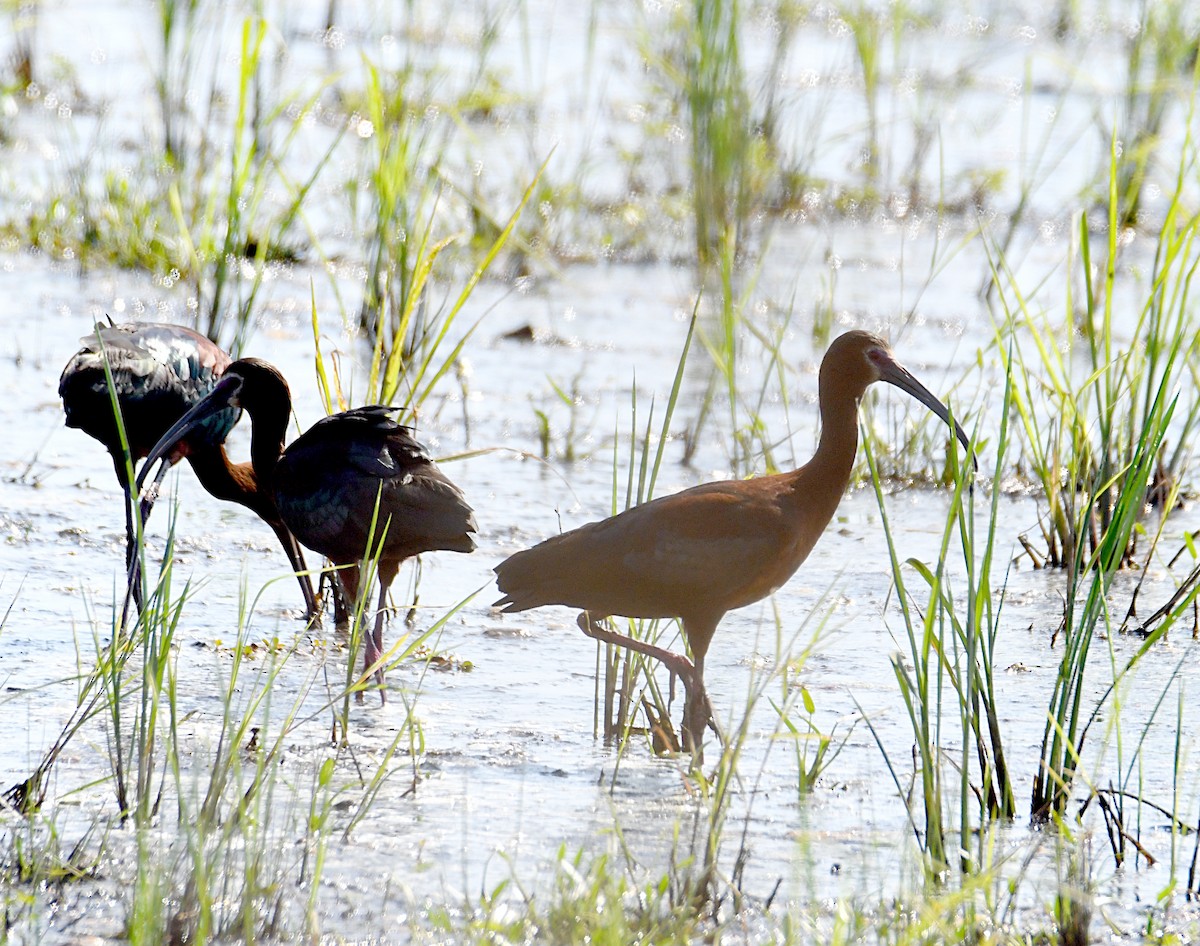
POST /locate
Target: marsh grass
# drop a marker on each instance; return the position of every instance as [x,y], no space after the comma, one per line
[735,336]
[572,398]
[1163,61]
[27,796]
[1130,814]
[867,26]
[401,193]
[733,164]
[950,648]
[621,667]
[1099,451]
[814,750]
[205,801]
[210,805]
[414,340]
[23,17]
[223,874]
[178,30]
[1082,437]
[722,136]
[228,233]
[216,209]
[608,897]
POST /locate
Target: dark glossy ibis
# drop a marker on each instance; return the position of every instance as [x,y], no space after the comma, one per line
[159,372]
[351,476]
[699,553]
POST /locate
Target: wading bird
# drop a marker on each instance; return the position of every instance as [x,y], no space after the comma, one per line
[702,552]
[158,373]
[354,487]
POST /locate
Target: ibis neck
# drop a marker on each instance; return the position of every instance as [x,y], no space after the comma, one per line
[229,481]
[220,477]
[269,429]
[834,459]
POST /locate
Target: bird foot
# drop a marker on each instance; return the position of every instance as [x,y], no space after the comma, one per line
[360,695]
[313,620]
[698,717]
[662,732]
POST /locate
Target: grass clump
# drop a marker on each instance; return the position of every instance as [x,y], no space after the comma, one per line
[1098,447]
[216,232]
[951,653]
[415,340]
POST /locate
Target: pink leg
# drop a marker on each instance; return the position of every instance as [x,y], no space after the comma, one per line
[677,664]
[347,578]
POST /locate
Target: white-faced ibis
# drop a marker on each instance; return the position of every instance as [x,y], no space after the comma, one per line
[699,553]
[351,476]
[159,372]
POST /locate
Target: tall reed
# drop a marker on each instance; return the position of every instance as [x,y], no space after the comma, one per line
[228,232]
[950,653]
[1099,450]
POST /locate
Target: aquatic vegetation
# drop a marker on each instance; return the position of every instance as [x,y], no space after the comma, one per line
[1163,68]
[1011,194]
[1082,435]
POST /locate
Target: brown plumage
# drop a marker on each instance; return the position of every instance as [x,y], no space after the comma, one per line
[699,553]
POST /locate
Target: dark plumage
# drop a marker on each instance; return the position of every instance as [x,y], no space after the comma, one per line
[159,372]
[327,484]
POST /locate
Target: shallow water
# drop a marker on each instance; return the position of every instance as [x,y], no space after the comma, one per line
[511,771]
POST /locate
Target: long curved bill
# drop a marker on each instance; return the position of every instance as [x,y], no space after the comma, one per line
[894,373]
[215,401]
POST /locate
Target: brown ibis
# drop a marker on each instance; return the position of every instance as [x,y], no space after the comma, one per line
[158,373]
[699,553]
[355,487]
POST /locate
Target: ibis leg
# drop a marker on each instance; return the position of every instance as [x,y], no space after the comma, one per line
[697,710]
[374,649]
[133,561]
[295,557]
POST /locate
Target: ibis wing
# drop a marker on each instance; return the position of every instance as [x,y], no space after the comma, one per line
[332,478]
[712,543]
[159,371]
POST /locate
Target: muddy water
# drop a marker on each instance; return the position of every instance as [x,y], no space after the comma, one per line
[511,770]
